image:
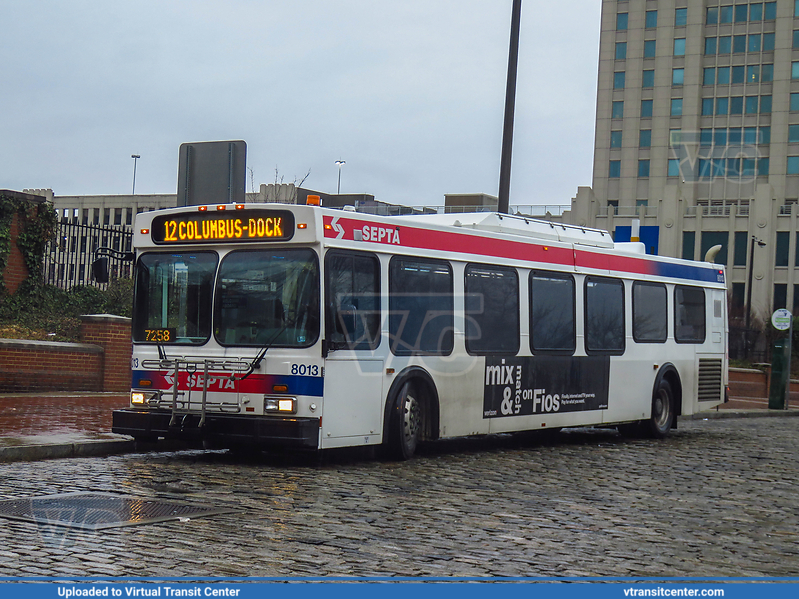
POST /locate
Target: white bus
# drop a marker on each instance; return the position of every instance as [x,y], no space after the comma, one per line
[300,326]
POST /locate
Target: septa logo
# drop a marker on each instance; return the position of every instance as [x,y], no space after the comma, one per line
[380,234]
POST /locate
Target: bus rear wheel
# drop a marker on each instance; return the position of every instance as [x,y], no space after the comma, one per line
[406,424]
[659,423]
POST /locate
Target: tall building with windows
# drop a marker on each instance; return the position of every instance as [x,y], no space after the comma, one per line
[697,137]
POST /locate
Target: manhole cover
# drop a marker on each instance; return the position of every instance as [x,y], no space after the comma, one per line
[96,511]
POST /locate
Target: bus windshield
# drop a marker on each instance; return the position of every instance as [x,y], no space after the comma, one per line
[268,297]
[173,297]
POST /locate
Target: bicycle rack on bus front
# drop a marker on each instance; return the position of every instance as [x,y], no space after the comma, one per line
[173,420]
[182,407]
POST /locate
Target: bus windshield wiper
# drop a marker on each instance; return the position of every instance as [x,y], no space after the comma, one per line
[256,362]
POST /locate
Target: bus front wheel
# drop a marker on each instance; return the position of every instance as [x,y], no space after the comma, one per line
[406,425]
[662,417]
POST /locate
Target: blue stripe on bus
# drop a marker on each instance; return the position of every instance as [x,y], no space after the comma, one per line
[299,385]
[684,271]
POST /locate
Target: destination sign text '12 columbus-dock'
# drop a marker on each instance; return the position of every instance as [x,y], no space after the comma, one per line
[215,226]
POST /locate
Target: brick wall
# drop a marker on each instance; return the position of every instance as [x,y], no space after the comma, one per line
[49,366]
[745,382]
[101,363]
[753,385]
[112,333]
[15,271]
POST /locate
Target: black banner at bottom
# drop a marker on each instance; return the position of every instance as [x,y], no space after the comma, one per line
[521,386]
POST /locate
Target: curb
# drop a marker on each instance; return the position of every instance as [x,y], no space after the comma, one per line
[725,414]
[30,453]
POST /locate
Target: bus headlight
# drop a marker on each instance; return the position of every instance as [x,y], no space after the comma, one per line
[280,403]
[143,397]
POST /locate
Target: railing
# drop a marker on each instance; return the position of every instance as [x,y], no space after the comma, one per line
[716,210]
[721,210]
[533,210]
[68,257]
[629,211]
[395,210]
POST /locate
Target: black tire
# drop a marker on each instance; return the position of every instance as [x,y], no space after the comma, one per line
[659,423]
[406,423]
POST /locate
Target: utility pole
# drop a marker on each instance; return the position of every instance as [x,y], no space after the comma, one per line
[749,289]
[503,204]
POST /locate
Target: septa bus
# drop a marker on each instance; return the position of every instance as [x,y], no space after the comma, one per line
[304,327]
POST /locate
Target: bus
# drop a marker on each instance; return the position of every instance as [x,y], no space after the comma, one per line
[299,326]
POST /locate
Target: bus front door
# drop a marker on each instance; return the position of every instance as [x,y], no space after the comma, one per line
[352,412]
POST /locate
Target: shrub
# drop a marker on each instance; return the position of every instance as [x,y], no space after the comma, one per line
[55,312]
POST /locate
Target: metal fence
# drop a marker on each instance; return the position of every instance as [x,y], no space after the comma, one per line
[534,211]
[748,344]
[69,256]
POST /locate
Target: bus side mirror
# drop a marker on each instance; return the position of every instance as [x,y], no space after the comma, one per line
[100,269]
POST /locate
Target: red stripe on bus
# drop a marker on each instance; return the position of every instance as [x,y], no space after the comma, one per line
[466,243]
[601,261]
[417,238]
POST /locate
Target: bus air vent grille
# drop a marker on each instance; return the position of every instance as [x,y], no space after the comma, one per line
[710,380]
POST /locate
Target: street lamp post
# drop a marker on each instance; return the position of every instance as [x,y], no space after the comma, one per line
[135,158]
[339,163]
[749,289]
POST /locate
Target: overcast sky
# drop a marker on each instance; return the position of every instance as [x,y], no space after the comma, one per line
[409,93]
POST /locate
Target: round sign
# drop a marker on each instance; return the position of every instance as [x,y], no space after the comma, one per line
[781,319]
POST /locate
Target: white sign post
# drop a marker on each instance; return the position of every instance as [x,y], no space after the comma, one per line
[782,320]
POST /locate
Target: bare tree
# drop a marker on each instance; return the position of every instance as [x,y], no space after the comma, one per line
[301,181]
[297,182]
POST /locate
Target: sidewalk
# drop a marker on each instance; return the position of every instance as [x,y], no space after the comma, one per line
[72,424]
[56,425]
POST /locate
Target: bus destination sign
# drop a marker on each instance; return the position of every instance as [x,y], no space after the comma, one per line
[222,226]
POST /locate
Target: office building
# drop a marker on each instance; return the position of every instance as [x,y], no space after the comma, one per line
[697,138]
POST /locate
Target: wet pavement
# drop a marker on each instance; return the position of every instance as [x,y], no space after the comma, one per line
[717,498]
[79,417]
[57,417]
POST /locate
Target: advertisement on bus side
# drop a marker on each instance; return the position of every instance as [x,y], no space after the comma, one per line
[521,386]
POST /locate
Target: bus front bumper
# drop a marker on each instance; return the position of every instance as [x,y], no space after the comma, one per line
[223,430]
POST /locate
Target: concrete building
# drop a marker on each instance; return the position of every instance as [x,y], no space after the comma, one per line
[104,209]
[91,222]
[119,210]
[697,137]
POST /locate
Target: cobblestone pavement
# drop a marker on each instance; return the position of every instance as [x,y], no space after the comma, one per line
[717,498]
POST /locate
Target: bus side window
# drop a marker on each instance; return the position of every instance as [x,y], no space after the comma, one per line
[352,300]
[492,309]
[689,314]
[650,313]
[551,313]
[604,315]
[421,306]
